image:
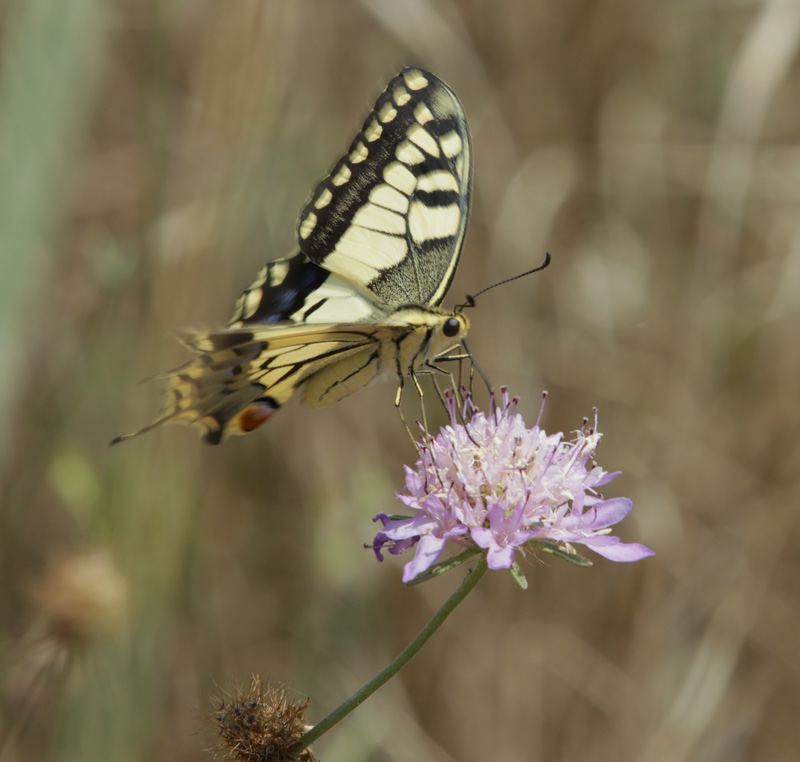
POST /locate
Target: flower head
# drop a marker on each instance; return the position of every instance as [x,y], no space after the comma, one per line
[488,482]
[261,724]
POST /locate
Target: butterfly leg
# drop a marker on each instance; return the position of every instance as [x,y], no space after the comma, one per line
[398,399]
[436,386]
[436,369]
[421,393]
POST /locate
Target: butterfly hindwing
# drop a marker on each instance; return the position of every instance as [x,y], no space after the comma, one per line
[240,377]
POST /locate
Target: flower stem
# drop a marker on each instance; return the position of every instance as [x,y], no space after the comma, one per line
[470,581]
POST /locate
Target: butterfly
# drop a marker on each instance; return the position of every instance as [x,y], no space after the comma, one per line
[379,241]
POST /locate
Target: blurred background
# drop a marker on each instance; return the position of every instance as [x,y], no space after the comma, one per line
[155,153]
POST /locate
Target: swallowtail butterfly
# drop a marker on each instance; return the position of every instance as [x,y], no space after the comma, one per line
[379,241]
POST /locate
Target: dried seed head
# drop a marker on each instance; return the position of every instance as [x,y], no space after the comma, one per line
[260,724]
[82,597]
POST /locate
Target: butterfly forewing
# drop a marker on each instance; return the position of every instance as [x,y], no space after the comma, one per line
[391,215]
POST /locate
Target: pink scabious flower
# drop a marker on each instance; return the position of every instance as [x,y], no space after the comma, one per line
[488,482]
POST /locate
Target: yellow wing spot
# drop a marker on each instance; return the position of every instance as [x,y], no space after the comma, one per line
[237,309]
[415,79]
[389,198]
[451,144]
[277,273]
[419,135]
[358,154]
[387,113]
[342,176]
[377,218]
[374,131]
[401,96]
[408,153]
[460,165]
[439,180]
[251,302]
[363,253]
[400,177]
[308,224]
[426,223]
[423,114]
[324,199]
[192,373]
[261,278]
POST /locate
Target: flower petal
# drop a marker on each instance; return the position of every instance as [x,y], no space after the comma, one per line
[610,512]
[500,558]
[614,549]
[429,551]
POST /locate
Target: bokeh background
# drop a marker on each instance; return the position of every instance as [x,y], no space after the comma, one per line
[155,153]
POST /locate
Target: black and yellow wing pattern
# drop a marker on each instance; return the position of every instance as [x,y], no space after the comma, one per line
[378,245]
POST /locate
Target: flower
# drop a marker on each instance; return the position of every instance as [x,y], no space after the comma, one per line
[488,482]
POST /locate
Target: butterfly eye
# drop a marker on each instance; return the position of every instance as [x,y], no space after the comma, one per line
[451,327]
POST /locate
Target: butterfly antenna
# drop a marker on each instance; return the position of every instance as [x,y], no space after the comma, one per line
[470,301]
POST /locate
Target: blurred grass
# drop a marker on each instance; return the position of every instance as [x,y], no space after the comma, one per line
[154,154]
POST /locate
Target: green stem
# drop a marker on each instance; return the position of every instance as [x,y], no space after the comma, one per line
[392,669]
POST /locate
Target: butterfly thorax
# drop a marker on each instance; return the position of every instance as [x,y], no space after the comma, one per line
[420,334]
[409,339]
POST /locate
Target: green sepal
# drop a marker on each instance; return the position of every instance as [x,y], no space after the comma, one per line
[442,566]
[518,576]
[556,550]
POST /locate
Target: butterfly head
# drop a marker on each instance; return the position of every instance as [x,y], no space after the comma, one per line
[448,332]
